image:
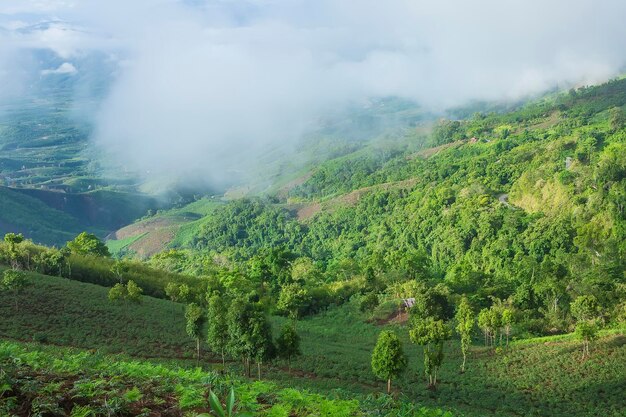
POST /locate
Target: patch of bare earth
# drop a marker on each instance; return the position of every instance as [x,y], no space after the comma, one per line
[155,234]
[308,211]
[427,153]
[140,228]
[154,242]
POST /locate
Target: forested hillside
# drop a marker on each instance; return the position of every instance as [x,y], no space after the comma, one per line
[475,266]
[525,206]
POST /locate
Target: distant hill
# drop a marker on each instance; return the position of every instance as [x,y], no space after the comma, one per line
[53,217]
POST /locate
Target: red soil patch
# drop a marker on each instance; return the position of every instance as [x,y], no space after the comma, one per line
[308,211]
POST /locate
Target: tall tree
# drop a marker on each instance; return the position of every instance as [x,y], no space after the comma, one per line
[586,310]
[464,324]
[388,358]
[195,318]
[249,333]
[217,327]
[288,344]
[430,333]
[484,324]
[292,300]
[13,240]
[507,318]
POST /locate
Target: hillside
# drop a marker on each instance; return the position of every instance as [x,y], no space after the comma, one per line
[28,215]
[65,312]
[517,214]
[336,348]
[497,201]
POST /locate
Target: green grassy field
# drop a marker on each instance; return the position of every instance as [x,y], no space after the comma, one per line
[59,311]
[531,378]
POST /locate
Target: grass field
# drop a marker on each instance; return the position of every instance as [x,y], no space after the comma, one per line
[536,378]
[167,228]
[59,311]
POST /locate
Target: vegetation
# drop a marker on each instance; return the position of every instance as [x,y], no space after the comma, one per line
[510,223]
[388,358]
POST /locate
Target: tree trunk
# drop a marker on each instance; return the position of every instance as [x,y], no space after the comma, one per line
[463,364]
[258,365]
[289,363]
[197,351]
[223,359]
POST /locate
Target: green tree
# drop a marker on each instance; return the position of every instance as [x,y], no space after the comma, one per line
[585,307]
[130,292]
[118,269]
[495,323]
[388,358]
[179,293]
[587,331]
[133,292]
[484,323]
[14,281]
[249,333]
[217,327]
[430,333]
[13,240]
[507,318]
[117,293]
[88,244]
[288,344]
[464,324]
[292,300]
[195,319]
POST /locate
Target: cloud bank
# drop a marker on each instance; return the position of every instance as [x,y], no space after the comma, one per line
[200,86]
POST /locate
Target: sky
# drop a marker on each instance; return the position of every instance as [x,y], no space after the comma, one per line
[199,86]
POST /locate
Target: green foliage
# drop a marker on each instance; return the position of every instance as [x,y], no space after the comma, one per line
[464,318]
[587,331]
[88,244]
[292,300]
[388,359]
[250,335]
[217,328]
[585,307]
[13,281]
[118,292]
[369,302]
[430,333]
[177,292]
[228,411]
[195,318]
[130,292]
[288,343]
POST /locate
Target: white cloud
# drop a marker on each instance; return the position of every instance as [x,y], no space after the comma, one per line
[64,68]
[206,82]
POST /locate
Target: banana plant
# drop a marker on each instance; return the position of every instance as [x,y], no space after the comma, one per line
[218,411]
